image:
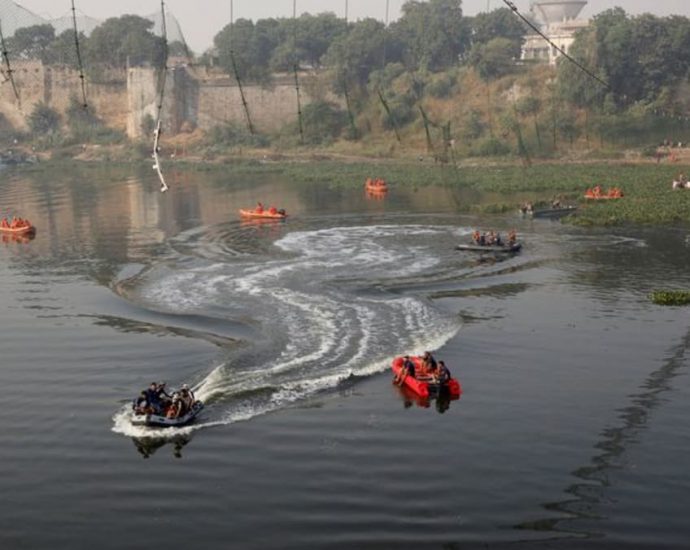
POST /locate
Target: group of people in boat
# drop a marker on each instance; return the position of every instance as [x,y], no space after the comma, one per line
[14,223]
[528,208]
[597,192]
[430,370]
[681,182]
[376,183]
[156,400]
[493,238]
[260,209]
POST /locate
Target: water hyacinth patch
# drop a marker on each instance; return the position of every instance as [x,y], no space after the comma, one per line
[671,297]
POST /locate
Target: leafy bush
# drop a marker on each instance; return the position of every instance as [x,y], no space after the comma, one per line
[234,134]
[148,124]
[441,86]
[85,126]
[402,110]
[491,147]
[472,126]
[322,122]
[44,120]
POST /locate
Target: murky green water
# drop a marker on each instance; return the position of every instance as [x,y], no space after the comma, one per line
[571,429]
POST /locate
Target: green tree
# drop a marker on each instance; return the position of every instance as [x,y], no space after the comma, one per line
[354,55]
[32,42]
[638,57]
[125,40]
[433,34]
[494,59]
[315,34]
[62,50]
[500,23]
[238,42]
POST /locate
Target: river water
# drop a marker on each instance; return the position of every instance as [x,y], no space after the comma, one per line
[571,431]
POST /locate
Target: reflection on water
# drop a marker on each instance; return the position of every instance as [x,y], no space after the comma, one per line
[23,238]
[376,195]
[597,476]
[409,398]
[147,446]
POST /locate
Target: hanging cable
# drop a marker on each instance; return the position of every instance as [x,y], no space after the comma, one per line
[161,94]
[79,63]
[531,25]
[350,114]
[8,69]
[429,143]
[250,126]
[391,118]
[294,55]
[346,93]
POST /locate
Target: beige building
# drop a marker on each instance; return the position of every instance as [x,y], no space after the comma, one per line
[559,22]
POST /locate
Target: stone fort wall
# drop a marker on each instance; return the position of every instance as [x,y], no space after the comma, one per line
[124,99]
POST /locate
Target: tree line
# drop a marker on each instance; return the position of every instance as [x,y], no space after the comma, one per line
[429,36]
[645,61]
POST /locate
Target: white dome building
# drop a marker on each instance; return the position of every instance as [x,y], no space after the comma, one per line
[558,20]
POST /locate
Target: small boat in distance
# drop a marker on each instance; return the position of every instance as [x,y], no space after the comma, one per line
[376,185]
[552,212]
[24,230]
[491,242]
[267,213]
[17,226]
[597,193]
[493,248]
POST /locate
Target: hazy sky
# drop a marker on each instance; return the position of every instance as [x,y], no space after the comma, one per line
[202,19]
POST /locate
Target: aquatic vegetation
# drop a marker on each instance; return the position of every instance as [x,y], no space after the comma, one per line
[671,297]
[648,197]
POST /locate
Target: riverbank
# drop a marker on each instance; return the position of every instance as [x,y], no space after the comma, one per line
[648,197]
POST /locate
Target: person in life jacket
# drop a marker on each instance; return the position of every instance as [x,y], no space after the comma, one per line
[141,404]
[259,207]
[429,363]
[176,408]
[157,397]
[187,397]
[406,370]
[443,373]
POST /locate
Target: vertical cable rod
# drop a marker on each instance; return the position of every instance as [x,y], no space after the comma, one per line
[294,55]
[245,106]
[8,68]
[161,94]
[79,61]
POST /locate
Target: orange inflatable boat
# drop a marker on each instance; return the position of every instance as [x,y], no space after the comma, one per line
[269,213]
[422,384]
[375,185]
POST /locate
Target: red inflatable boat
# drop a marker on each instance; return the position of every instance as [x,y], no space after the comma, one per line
[422,384]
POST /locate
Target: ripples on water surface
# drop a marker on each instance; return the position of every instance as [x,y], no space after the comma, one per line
[570,433]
